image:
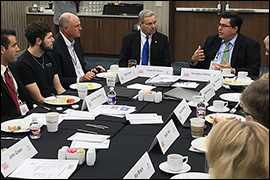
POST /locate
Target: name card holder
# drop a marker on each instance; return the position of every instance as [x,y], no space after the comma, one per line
[192,74]
[149,71]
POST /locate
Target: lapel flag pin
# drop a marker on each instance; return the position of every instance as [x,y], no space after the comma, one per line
[155,42]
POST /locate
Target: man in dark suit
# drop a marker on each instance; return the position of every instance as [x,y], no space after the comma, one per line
[243,53]
[13,100]
[133,44]
[68,52]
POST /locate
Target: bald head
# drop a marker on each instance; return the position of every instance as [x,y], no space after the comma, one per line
[70,25]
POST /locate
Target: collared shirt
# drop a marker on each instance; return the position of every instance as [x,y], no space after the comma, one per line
[76,62]
[221,50]
[3,70]
[143,39]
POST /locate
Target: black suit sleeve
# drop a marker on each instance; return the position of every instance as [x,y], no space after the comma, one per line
[124,53]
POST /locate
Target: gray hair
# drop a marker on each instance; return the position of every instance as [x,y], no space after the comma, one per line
[145,13]
[64,20]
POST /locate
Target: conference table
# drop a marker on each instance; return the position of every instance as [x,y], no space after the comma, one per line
[128,142]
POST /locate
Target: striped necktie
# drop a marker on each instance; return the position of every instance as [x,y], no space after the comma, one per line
[145,52]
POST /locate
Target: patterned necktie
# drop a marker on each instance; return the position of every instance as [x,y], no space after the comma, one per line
[226,54]
[145,52]
[11,90]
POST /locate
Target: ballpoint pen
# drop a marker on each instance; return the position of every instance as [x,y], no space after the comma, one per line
[97,126]
[86,131]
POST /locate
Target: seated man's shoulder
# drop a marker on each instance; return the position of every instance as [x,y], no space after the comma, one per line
[247,39]
[132,35]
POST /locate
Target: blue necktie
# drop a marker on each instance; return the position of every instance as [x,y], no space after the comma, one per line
[145,52]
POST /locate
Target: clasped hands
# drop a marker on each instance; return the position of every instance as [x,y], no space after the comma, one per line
[199,56]
[92,74]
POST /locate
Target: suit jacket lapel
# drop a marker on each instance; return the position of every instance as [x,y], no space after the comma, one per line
[63,44]
[236,49]
[138,44]
[3,84]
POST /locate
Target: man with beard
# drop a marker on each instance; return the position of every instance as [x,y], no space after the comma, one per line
[147,46]
[36,66]
[229,49]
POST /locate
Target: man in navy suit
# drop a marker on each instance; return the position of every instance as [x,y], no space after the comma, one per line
[243,52]
[68,52]
[133,44]
[10,107]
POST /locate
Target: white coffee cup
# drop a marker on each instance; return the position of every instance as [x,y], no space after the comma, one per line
[82,90]
[110,80]
[226,71]
[114,68]
[242,74]
[52,119]
[158,97]
[175,162]
[197,127]
[196,99]
[219,105]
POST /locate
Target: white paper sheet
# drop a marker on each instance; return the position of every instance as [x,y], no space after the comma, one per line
[45,169]
[191,85]
[88,137]
[141,86]
[85,145]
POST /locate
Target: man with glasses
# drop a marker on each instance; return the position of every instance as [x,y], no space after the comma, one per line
[229,49]
[146,45]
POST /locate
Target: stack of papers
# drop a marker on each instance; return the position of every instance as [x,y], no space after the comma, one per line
[81,115]
[114,110]
[191,85]
[86,140]
[144,118]
[162,80]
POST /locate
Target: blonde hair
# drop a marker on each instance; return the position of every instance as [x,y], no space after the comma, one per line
[238,150]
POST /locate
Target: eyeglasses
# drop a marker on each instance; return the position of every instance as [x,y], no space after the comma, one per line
[244,113]
[222,25]
[150,23]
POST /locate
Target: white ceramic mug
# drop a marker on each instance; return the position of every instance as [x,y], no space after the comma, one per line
[52,119]
[226,71]
[197,127]
[82,90]
[114,68]
[219,105]
[242,74]
[175,162]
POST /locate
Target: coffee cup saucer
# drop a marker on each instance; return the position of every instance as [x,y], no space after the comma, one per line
[211,108]
[191,103]
[164,167]
[228,75]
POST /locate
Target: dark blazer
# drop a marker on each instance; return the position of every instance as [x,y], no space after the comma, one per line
[131,49]
[63,61]
[246,54]
[8,107]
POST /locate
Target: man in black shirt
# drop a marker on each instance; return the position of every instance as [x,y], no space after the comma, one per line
[36,65]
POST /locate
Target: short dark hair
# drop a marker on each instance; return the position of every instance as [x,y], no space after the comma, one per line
[36,30]
[235,19]
[4,36]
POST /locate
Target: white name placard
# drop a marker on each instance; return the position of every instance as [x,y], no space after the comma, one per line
[14,156]
[192,74]
[167,136]
[182,111]
[217,80]
[127,75]
[149,71]
[143,169]
[208,92]
[94,100]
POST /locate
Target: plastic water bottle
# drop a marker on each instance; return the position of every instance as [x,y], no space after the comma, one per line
[201,109]
[34,129]
[111,96]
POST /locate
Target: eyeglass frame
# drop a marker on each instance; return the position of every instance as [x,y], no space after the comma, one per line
[222,25]
[150,23]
